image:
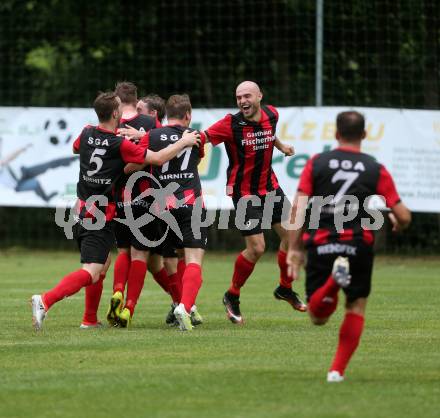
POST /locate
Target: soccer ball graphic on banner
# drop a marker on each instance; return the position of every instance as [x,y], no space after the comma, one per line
[57,132]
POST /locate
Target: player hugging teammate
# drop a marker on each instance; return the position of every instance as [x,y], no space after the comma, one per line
[184,205]
[103,156]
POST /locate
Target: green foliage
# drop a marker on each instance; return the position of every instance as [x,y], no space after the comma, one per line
[42,58]
[376,53]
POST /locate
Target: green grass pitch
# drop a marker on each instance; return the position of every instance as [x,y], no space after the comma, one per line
[273,366]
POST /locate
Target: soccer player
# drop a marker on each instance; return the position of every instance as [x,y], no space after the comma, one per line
[163,262]
[127,92]
[340,255]
[152,105]
[125,271]
[182,170]
[249,137]
[131,263]
[103,156]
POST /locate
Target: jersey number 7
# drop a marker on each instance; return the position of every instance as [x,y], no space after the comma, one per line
[348,177]
[185,162]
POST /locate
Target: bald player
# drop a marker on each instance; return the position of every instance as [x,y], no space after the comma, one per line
[249,138]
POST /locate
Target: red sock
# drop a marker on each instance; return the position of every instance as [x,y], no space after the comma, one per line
[122,267]
[68,286]
[135,283]
[93,294]
[181,266]
[242,270]
[162,279]
[192,281]
[175,287]
[325,299]
[349,336]
[285,280]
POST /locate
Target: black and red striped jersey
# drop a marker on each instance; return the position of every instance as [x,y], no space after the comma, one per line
[339,173]
[249,146]
[103,156]
[181,170]
[144,124]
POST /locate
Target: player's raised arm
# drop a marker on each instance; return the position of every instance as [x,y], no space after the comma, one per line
[131,167]
[219,132]
[130,132]
[287,150]
[189,139]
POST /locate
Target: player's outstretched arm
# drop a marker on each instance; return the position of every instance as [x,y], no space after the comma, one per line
[206,135]
[287,150]
[130,132]
[189,139]
[400,217]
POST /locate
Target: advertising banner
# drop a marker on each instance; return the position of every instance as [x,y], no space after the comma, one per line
[38,169]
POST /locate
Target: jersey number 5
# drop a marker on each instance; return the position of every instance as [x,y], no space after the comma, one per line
[348,177]
[97,160]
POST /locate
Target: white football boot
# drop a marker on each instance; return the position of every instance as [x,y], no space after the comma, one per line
[183,318]
[334,377]
[96,325]
[341,271]
[38,312]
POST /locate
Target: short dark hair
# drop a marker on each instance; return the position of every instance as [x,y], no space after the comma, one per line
[350,125]
[177,105]
[105,104]
[155,102]
[127,92]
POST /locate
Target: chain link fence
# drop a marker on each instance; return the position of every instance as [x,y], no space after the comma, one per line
[381,53]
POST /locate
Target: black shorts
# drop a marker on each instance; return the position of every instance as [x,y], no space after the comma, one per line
[320,263]
[94,246]
[165,249]
[263,216]
[150,233]
[193,236]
